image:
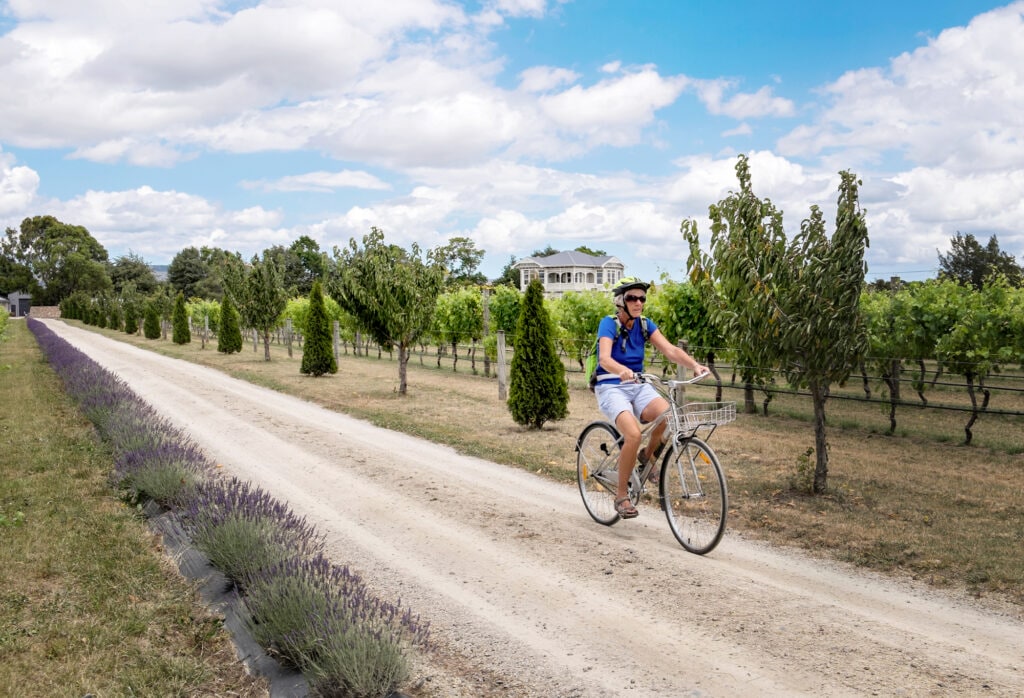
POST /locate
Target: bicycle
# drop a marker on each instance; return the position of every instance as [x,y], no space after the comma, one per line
[691,490]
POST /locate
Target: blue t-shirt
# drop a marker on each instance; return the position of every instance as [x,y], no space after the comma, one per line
[629,353]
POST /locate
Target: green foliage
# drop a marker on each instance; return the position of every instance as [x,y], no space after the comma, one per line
[577,315]
[62,258]
[680,313]
[133,269]
[151,323]
[131,320]
[970,264]
[204,313]
[260,296]
[503,307]
[461,258]
[317,351]
[987,333]
[391,293]
[229,334]
[181,333]
[537,389]
[792,304]
[459,316]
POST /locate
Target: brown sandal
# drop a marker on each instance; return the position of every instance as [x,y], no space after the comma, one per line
[625,509]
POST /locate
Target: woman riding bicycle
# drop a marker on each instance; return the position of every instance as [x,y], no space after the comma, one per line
[621,344]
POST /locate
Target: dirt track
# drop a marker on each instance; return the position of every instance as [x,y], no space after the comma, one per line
[531,598]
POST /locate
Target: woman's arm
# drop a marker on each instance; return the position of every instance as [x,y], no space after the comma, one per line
[675,354]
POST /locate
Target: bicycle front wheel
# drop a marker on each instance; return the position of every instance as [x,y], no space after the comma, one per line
[597,463]
[693,495]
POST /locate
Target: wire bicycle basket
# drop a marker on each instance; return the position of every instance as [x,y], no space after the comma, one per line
[694,415]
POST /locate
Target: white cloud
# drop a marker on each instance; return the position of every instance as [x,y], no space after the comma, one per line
[957,102]
[742,105]
[320,182]
[18,186]
[543,78]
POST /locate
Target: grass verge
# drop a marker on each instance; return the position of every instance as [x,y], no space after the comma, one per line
[88,602]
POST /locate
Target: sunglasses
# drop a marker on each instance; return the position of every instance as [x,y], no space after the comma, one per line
[633,299]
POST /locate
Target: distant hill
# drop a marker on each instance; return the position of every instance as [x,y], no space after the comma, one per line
[159,271]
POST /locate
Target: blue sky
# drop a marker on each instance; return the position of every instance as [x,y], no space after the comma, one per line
[518,123]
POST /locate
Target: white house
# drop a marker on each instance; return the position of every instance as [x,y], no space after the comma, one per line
[570,271]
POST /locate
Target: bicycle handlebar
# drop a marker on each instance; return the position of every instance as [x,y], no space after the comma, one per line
[654,378]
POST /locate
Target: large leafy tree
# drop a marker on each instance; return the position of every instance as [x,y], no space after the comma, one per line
[186,271]
[537,391]
[970,264]
[390,291]
[62,258]
[133,269]
[792,304]
[461,259]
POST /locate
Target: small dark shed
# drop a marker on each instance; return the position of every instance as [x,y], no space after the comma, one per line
[19,303]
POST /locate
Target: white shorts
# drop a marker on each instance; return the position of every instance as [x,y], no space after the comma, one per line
[615,398]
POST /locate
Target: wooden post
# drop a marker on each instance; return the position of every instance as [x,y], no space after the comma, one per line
[502,388]
[337,336]
[487,329]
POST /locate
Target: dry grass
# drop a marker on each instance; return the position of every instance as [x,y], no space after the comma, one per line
[89,604]
[915,503]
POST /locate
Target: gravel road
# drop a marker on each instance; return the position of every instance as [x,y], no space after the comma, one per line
[529,597]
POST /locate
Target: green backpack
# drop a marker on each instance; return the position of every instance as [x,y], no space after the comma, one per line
[590,363]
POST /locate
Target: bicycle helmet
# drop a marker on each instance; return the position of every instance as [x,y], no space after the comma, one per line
[628,282]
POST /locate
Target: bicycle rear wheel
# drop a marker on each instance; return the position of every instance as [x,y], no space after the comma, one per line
[693,495]
[597,470]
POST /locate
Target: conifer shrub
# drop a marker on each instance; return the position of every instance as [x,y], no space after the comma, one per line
[181,334]
[151,323]
[317,350]
[131,319]
[537,390]
[229,334]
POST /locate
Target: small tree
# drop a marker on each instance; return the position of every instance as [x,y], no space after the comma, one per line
[537,391]
[390,292]
[792,304]
[260,295]
[229,334]
[151,323]
[317,352]
[181,334]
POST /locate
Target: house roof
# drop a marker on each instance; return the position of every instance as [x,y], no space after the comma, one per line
[572,258]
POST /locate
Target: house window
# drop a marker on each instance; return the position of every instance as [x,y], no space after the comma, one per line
[600,277]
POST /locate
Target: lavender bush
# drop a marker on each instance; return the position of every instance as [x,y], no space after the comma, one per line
[243,530]
[314,615]
[322,619]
